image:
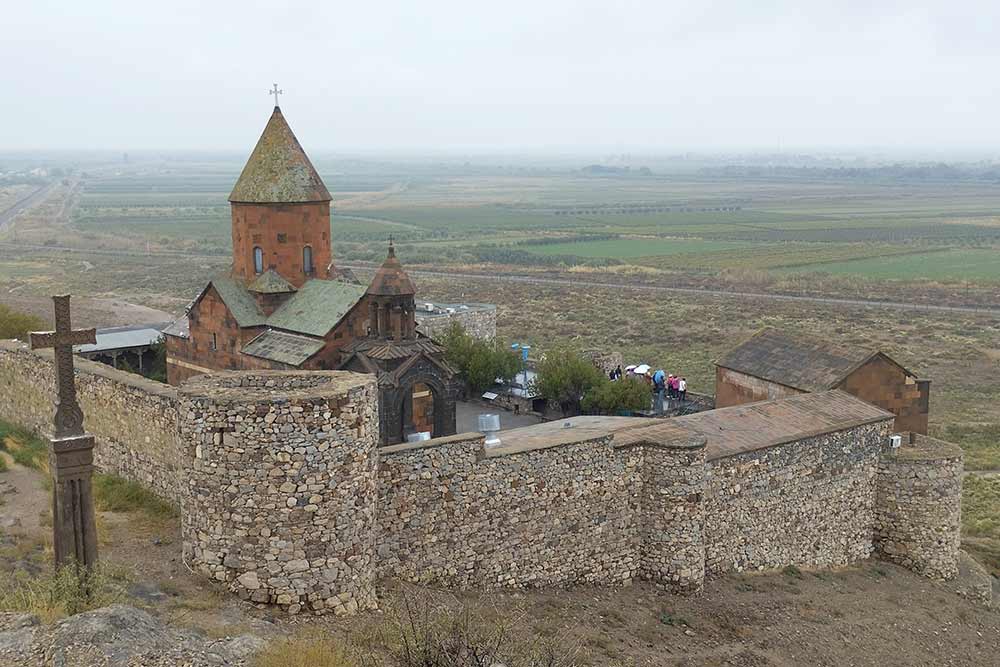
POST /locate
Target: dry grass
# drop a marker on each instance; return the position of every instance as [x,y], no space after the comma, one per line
[57,595]
[307,650]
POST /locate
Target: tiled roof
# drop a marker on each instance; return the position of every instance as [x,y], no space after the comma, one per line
[270,282]
[239,301]
[317,307]
[278,171]
[313,310]
[387,349]
[391,279]
[744,428]
[799,362]
[283,347]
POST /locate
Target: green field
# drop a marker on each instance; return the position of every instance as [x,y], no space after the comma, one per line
[948,265]
[634,248]
[531,216]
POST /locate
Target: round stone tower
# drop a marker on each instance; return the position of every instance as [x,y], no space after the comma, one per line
[279,486]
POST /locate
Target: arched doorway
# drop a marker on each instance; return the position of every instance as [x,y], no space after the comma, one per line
[418,410]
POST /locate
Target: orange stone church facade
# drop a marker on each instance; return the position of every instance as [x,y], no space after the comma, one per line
[284,305]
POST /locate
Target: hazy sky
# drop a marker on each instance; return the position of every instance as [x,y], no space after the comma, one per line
[467,75]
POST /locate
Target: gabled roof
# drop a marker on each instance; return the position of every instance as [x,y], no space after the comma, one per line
[238,300]
[752,426]
[317,307]
[391,279]
[313,310]
[279,171]
[283,347]
[270,282]
[799,362]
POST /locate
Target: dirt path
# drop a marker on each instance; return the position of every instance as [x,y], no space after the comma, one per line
[89,312]
[35,198]
[24,499]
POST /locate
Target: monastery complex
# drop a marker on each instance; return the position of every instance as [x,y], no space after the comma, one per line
[282,437]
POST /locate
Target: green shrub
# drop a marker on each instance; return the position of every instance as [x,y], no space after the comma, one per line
[565,377]
[14,324]
[480,362]
[627,395]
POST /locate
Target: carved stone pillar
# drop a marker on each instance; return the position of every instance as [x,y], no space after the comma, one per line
[74,530]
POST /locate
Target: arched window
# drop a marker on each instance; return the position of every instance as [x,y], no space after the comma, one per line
[307,259]
[258,260]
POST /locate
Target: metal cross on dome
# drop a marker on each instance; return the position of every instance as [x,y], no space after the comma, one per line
[274,91]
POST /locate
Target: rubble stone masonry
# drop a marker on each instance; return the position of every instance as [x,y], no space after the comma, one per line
[285,496]
[918,508]
[280,486]
[479,321]
[808,502]
[456,514]
[133,418]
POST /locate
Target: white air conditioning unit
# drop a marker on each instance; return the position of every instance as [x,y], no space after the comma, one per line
[896,441]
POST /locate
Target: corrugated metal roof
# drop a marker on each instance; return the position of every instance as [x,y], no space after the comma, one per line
[317,307]
[181,327]
[120,338]
[744,428]
[283,347]
[801,362]
[278,171]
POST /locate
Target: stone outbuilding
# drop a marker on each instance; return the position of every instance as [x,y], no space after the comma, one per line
[772,364]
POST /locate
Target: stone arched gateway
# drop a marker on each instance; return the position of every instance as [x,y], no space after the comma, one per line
[399,416]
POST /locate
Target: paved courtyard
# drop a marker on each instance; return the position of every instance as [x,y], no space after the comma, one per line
[467,416]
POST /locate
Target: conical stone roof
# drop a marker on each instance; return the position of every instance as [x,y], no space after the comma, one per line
[278,171]
[391,279]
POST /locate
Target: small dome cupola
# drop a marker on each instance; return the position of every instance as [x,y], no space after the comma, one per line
[391,301]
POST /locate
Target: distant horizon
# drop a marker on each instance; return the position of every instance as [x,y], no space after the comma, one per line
[522,76]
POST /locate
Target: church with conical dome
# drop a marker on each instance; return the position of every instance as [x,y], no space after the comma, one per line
[283,305]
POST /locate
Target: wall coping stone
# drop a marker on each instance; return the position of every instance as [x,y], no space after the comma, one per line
[719,456]
[918,448]
[470,436]
[97,368]
[271,386]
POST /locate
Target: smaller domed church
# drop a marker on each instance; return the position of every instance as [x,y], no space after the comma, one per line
[284,304]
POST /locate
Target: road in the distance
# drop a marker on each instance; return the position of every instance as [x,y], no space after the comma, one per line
[36,197]
[535,280]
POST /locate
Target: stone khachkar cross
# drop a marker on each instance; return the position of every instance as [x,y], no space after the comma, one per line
[71,458]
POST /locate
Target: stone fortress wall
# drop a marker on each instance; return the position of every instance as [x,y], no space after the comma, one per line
[917,522]
[280,485]
[810,502]
[133,418]
[478,319]
[285,496]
